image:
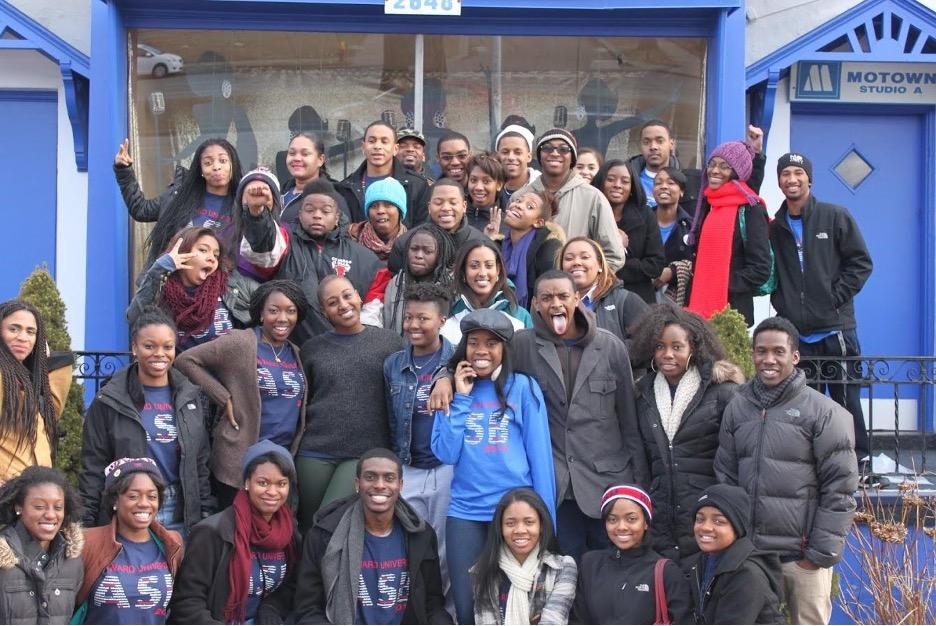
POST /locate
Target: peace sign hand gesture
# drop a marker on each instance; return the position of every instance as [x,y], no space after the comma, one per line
[180,258]
[123,158]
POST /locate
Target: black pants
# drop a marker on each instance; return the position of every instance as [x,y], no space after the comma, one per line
[842,343]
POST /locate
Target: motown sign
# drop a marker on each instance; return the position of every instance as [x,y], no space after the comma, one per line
[844,81]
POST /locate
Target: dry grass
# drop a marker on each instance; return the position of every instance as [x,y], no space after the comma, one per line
[894,578]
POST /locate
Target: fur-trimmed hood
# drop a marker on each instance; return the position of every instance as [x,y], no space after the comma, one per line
[726,371]
[72,535]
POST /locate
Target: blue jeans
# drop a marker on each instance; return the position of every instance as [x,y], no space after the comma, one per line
[464,540]
[167,511]
[578,533]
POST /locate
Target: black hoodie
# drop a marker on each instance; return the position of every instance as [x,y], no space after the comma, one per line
[746,587]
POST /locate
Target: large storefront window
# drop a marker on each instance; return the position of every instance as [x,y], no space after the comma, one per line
[256,87]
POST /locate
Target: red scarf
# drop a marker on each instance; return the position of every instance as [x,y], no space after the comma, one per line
[193,312]
[713,261]
[252,531]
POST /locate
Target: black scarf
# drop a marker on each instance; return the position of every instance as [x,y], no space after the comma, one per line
[766,397]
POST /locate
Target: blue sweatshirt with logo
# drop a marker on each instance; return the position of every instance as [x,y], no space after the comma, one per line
[493,450]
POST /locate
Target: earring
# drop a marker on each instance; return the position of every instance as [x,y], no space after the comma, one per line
[652,364]
[19,512]
[115,507]
[689,360]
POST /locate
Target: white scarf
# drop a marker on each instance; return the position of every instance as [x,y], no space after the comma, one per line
[522,578]
[672,408]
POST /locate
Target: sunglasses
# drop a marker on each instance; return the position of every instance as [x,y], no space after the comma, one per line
[561,149]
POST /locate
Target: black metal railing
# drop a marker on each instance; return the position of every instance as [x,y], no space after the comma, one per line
[94,369]
[898,392]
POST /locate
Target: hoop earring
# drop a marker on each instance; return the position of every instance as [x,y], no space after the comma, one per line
[652,365]
[689,361]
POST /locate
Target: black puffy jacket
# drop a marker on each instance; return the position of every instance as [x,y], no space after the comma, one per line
[617,310]
[417,194]
[39,595]
[796,459]
[683,468]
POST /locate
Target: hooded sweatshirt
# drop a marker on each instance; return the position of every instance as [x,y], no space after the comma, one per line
[746,584]
[494,450]
[584,211]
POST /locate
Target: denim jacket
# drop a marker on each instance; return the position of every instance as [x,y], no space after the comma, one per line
[400,384]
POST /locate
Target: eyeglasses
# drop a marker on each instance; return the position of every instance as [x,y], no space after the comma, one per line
[721,166]
[561,149]
[448,156]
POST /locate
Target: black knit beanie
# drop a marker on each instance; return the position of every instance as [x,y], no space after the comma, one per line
[796,159]
[732,501]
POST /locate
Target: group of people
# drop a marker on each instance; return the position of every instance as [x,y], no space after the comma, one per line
[489,398]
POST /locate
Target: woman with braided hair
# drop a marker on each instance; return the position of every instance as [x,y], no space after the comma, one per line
[189,282]
[31,397]
[430,254]
[202,195]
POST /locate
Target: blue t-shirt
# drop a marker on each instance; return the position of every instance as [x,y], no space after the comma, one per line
[282,386]
[369,180]
[135,587]
[646,179]
[383,584]
[796,225]
[666,231]
[162,434]
[221,324]
[291,195]
[212,214]
[421,433]
[267,573]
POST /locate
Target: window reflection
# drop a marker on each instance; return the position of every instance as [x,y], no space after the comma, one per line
[257,88]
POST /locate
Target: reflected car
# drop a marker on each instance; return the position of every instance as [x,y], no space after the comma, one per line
[156,63]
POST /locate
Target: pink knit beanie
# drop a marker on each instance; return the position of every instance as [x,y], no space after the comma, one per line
[739,155]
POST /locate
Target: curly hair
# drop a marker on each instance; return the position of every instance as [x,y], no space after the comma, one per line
[26,394]
[645,334]
[288,288]
[430,292]
[13,493]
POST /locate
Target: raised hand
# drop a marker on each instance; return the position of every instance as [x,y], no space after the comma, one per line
[493,226]
[123,158]
[257,196]
[180,258]
[755,138]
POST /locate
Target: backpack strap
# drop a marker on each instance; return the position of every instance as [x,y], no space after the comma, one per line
[659,593]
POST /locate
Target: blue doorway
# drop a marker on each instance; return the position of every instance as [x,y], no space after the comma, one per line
[874,166]
[29,134]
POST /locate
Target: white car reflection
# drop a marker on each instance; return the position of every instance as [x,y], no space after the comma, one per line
[156,63]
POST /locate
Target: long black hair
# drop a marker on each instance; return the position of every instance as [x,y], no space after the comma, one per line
[503,377]
[13,493]
[191,195]
[461,286]
[637,197]
[26,392]
[704,344]
[445,254]
[487,569]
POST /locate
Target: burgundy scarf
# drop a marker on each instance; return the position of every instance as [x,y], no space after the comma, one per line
[366,236]
[252,531]
[713,261]
[193,312]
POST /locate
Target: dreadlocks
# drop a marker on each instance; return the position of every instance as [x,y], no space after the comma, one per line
[25,386]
